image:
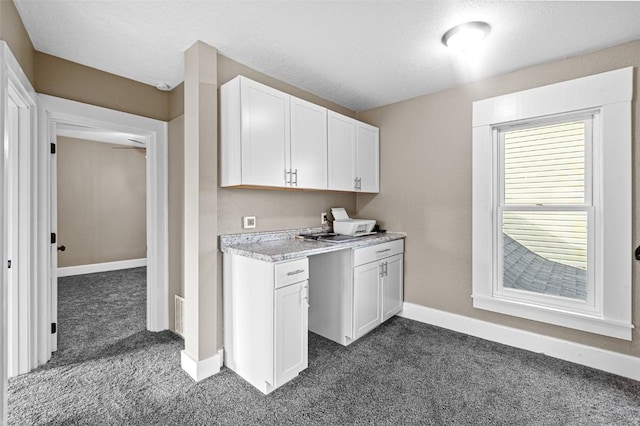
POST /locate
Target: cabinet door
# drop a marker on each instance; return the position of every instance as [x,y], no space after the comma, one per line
[367,155]
[342,152]
[366,298]
[265,134]
[308,157]
[290,331]
[392,282]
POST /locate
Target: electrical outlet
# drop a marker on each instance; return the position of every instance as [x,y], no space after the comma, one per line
[248,222]
[323,219]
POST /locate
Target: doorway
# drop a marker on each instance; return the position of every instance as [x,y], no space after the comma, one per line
[59,117]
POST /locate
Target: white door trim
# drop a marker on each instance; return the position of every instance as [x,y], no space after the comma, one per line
[54,111]
[14,83]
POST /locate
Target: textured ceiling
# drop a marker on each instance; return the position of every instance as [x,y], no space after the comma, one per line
[359,54]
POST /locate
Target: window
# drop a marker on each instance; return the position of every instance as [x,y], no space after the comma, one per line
[552,201]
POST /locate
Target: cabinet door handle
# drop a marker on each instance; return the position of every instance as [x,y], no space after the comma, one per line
[381,270]
[386,273]
[305,292]
[296,272]
[287,181]
[355,184]
[295,172]
[383,251]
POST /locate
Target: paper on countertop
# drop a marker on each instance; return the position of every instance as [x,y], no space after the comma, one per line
[339,213]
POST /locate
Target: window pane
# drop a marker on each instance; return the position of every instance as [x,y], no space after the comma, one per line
[545,252]
[545,165]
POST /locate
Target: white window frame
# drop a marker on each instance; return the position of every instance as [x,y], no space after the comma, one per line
[608,96]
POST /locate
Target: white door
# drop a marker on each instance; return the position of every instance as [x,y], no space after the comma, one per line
[265,134]
[392,287]
[308,145]
[367,157]
[342,152]
[54,245]
[366,298]
[291,329]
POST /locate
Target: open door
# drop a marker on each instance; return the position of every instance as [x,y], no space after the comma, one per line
[54,239]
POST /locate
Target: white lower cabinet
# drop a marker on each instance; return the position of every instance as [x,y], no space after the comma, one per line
[265,319]
[269,308]
[354,291]
[367,310]
[291,331]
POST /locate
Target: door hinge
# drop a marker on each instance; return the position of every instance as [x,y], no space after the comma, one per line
[54,327]
[9,264]
[53,238]
[53,148]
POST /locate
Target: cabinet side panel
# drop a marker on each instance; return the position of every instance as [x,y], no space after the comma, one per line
[248,313]
[230,134]
[329,278]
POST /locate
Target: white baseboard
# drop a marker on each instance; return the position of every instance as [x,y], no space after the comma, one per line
[101,267]
[601,359]
[200,370]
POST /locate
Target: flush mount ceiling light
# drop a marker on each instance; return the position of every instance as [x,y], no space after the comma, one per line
[466,37]
[163,87]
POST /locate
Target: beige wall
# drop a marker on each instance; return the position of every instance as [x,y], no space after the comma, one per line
[425,187]
[13,32]
[101,202]
[176,217]
[58,77]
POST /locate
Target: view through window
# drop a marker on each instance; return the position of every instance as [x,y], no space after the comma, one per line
[545,206]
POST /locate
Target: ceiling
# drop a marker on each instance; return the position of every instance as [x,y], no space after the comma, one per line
[359,54]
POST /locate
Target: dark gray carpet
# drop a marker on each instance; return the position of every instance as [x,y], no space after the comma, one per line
[404,372]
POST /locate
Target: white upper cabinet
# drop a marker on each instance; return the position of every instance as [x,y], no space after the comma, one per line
[307,158]
[255,134]
[367,157]
[342,152]
[353,154]
[269,138]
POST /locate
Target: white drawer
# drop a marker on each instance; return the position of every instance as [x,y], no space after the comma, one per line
[292,272]
[379,251]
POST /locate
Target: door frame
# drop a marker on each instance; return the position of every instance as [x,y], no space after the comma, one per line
[54,111]
[15,84]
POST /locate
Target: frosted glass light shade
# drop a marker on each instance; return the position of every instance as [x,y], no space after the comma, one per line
[466,37]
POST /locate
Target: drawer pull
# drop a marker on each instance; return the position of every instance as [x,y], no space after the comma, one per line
[296,272]
[383,251]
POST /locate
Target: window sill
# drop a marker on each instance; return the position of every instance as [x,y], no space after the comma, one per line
[578,321]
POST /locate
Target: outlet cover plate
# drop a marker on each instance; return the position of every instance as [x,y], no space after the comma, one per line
[248,222]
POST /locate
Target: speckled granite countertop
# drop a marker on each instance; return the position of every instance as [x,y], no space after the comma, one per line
[277,246]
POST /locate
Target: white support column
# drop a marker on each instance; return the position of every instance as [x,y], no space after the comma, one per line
[200,357]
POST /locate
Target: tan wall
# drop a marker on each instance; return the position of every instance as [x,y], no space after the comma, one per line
[176,216]
[58,77]
[13,32]
[425,187]
[101,202]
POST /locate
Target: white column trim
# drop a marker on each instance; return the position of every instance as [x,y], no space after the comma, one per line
[200,370]
[601,359]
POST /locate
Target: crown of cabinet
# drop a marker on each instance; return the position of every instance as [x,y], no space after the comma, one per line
[272,139]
